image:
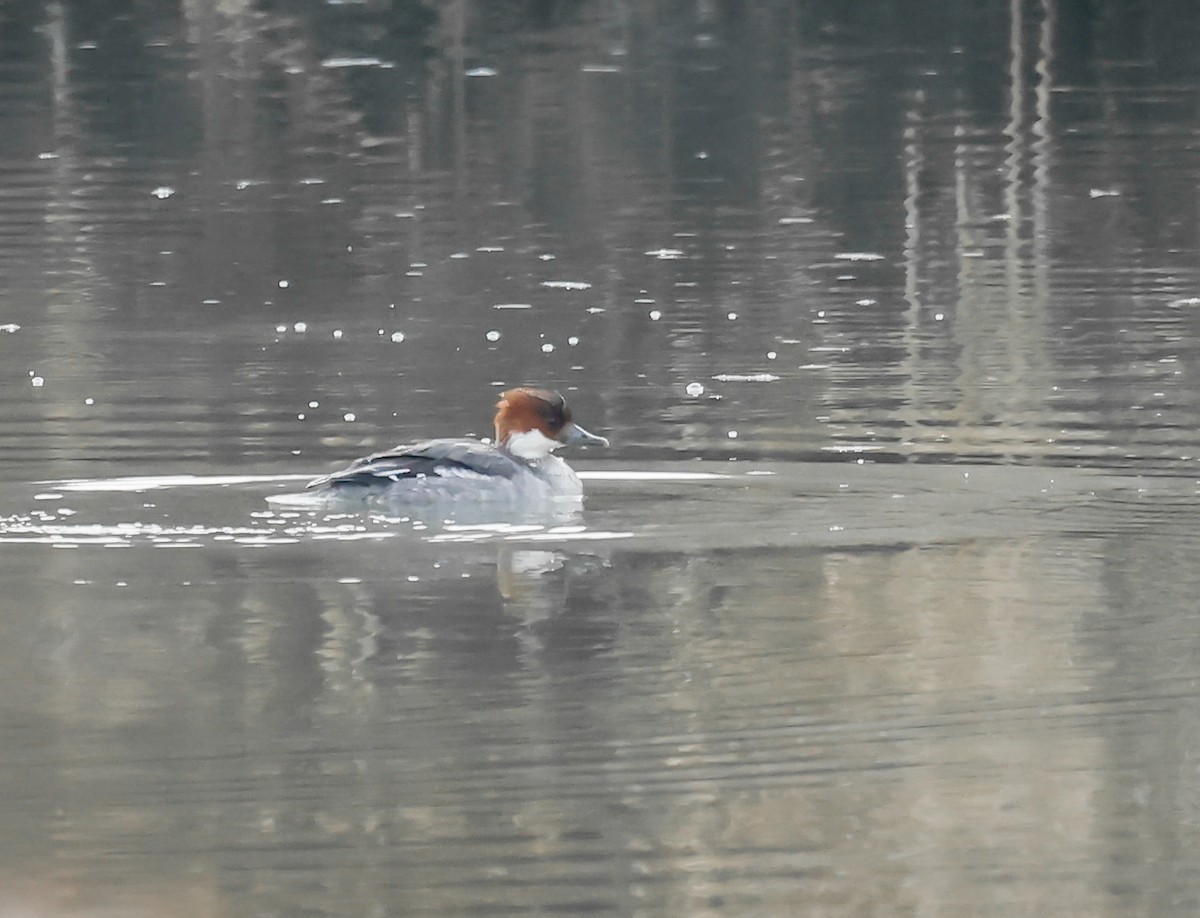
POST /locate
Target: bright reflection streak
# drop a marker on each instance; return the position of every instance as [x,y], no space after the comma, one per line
[152,482]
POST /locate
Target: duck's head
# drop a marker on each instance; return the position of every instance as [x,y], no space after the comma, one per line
[532,423]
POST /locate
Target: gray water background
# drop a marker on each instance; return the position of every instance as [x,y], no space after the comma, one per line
[882,601]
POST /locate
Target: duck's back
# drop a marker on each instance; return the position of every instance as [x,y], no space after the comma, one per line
[464,460]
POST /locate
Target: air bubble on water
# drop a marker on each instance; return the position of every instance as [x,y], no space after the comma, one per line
[655,315]
[733,435]
[37,382]
[162,192]
[314,404]
[771,355]
[694,389]
[300,327]
[349,416]
[547,348]
[493,335]
[732,316]
[283,284]
[337,333]
[573,341]
[281,328]
[89,401]
[397,337]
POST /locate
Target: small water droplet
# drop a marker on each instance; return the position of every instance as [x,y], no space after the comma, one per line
[349,416]
[694,389]
[397,337]
[547,348]
[300,327]
[493,335]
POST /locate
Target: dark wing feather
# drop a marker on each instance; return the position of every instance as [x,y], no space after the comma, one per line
[422,460]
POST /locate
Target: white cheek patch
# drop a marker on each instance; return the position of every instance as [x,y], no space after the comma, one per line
[531,444]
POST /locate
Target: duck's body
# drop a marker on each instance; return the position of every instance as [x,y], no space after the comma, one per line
[519,470]
[452,469]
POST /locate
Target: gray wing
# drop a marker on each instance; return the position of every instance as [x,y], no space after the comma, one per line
[430,459]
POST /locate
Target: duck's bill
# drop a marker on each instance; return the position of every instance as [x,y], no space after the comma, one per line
[574,435]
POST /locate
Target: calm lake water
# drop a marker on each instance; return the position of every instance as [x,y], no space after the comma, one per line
[882,600]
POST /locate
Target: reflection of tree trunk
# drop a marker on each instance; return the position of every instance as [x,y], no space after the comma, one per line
[1041,153]
[995,307]
[914,161]
[62,226]
[458,78]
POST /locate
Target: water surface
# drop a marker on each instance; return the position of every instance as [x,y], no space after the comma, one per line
[881,601]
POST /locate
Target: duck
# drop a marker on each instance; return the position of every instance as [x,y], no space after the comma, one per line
[517,469]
